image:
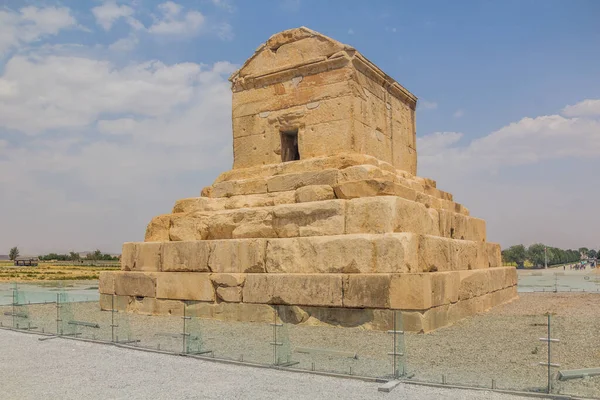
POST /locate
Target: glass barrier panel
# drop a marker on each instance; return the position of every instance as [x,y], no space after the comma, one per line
[498,348]
[575,324]
[228,333]
[347,348]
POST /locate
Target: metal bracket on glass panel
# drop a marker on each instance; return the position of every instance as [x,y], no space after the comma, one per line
[275,343]
[549,364]
[186,337]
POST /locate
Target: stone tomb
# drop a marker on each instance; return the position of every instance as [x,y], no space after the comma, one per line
[322,210]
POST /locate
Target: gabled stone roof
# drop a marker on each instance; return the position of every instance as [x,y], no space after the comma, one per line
[311,48]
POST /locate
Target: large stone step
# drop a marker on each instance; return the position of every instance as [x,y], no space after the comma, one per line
[356,253]
[417,292]
[380,214]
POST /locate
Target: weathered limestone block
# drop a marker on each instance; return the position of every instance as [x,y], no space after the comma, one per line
[467,254]
[424,290]
[396,252]
[281,183]
[314,88]
[185,256]
[459,226]
[372,141]
[360,172]
[326,254]
[476,283]
[372,187]
[503,296]
[497,279]
[141,284]
[144,256]
[309,219]
[314,193]
[435,254]
[158,229]
[106,301]
[106,282]
[184,286]
[241,187]
[242,223]
[428,201]
[255,150]
[237,255]
[502,277]
[203,204]
[434,318]
[386,214]
[260,200]
[366,290]
[187,227]
[494,255]
[297,289]
[228,280]
[229,294]
[325,138]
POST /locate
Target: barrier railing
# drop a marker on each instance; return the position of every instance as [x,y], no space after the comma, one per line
[505,348]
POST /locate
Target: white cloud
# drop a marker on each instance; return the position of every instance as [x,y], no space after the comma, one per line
[72,91]
[174,22]
[458,113]
[584,108]
[435,143]
[124,44]
[224,31]
[108,13]
[224,4]
[111,146]
[31,24]
[427,105]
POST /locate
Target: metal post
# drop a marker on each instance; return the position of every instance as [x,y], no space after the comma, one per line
[14,292]
[394,356]
[549,357]
[57,314]
[184,335]
[549,363]
[275,338]
[112,318]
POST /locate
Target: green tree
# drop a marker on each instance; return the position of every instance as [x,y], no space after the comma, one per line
[535,254]
[13,253]
[516,254]
[74,256]
[592,253]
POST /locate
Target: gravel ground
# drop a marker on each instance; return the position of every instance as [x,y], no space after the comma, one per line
[68,369]
[502,344]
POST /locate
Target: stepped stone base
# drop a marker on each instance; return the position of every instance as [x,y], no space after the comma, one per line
[366,318]
[428,300]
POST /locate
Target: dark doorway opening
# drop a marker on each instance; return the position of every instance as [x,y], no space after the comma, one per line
[289,145]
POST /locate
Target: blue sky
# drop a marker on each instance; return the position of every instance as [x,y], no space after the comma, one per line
[112,110]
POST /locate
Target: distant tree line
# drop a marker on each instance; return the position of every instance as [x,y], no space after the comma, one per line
[519,254]
[72,256]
